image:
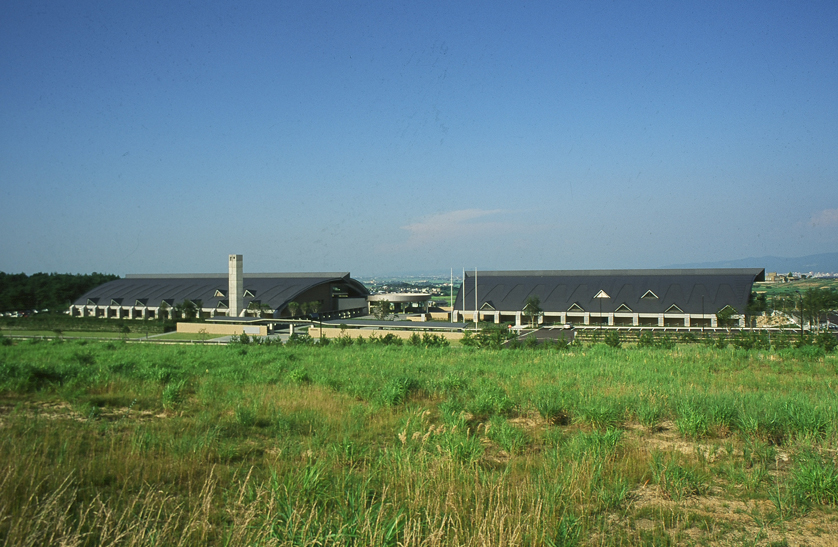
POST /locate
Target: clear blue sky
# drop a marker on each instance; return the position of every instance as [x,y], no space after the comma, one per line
[380,137]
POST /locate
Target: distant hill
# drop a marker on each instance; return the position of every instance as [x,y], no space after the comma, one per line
[826,262]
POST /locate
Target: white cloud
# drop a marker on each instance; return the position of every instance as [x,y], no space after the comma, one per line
[825,218]
[431,231]
[452,223]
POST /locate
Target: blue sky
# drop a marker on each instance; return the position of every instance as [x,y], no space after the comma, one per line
[383,137]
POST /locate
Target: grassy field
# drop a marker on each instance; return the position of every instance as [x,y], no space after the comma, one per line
[774,290]
[107,443]
[195,336]
[75,334]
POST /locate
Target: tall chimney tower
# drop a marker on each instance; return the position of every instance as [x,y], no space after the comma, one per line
[235,280]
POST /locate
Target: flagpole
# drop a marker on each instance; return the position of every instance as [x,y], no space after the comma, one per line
[475,299]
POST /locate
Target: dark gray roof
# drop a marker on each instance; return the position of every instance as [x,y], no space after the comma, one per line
[274,290]
[559,290]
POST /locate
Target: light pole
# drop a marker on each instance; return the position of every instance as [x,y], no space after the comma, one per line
[800,300]
[601,295]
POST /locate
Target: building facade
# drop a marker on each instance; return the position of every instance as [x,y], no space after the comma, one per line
[634,298]
[162,296]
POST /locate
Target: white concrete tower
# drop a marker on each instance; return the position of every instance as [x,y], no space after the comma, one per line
[235,280]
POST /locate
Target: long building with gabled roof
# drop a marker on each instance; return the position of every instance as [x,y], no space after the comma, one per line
[235,294]
[688,298]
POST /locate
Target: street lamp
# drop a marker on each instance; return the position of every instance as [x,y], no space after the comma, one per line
[601,295]
[800,300]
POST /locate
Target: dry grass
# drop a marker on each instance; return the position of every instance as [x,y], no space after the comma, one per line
[238,450]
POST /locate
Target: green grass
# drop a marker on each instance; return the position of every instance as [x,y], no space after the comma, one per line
[73,334]
[386,445]
[187,336]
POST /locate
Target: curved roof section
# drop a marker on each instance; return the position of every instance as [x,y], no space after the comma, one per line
[630,291]
[274,290]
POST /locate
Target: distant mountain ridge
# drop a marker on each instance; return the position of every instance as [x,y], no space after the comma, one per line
[826,262]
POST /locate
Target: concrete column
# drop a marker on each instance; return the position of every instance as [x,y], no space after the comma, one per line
[610,319]
[497,317]
[291,328]
[586,319]
[143,312]
[235,286]
[714,322]
[661,321]
[518,319]
[742,321]
[635,319]
[563,317]
[686,320]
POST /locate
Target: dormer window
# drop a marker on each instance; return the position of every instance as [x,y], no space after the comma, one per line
[575,307]
[649,295]
[674,309]
[249,293]
[601,294]
[623,308]
[219,293]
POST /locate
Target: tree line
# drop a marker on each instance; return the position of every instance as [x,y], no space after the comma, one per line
[53,291]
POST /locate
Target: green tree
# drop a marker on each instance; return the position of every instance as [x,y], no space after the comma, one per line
[294,308]
[381,309]
[186,310]
[46,291]
[756,304]
[532,309]
[257,307]
[163,311]
[724,317]
[814,303]
[613,339]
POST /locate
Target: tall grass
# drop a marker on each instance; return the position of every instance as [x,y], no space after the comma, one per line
[118,444]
